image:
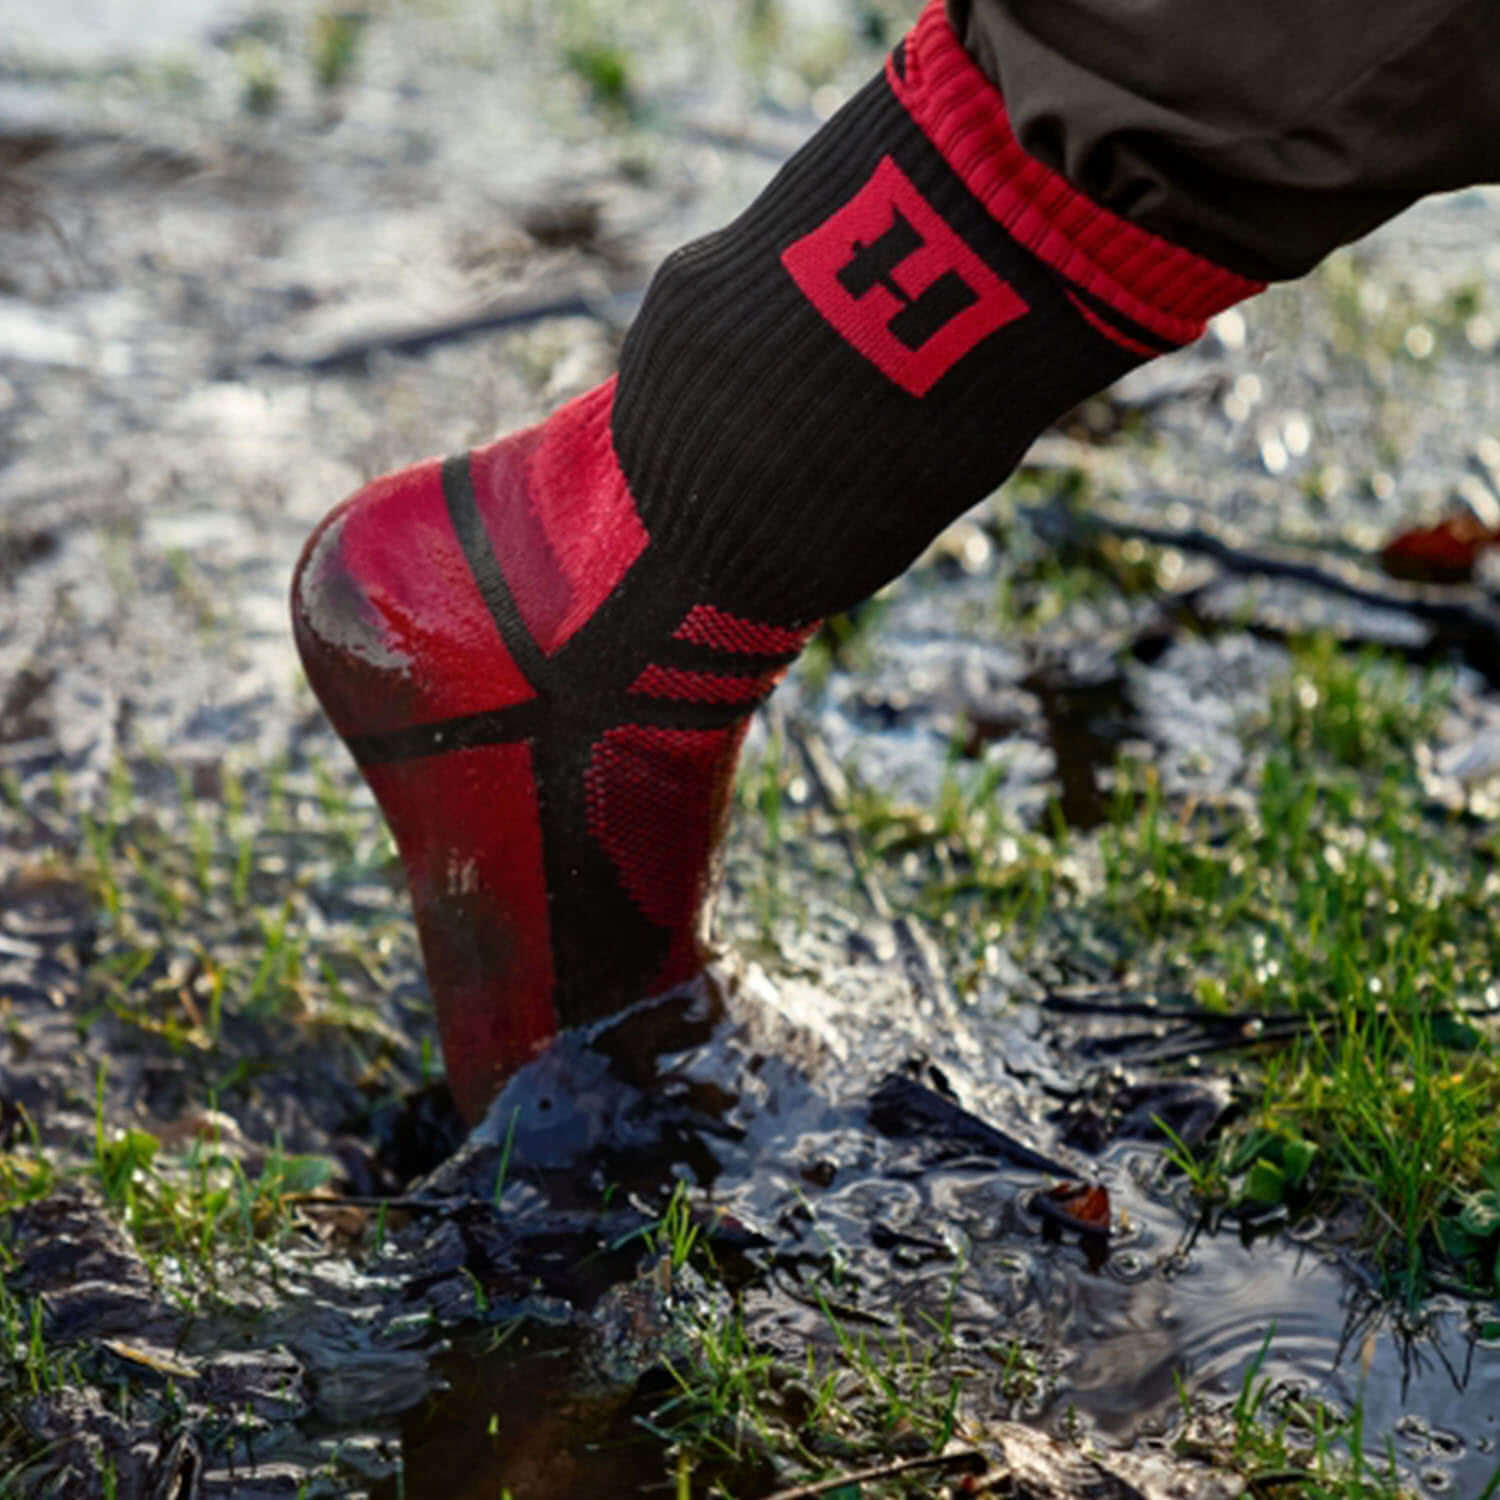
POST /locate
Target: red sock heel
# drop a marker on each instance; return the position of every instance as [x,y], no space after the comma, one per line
[550,733]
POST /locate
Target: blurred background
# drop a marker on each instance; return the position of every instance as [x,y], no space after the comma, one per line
[252,255]
[226,229]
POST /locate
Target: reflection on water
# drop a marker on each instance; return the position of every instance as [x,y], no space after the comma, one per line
[523,1420]
[915,1225]
[86,32]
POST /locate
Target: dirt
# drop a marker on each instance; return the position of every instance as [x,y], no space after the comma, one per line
[223,309]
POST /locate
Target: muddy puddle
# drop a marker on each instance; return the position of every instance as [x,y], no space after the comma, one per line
[230,292]
[849,1198]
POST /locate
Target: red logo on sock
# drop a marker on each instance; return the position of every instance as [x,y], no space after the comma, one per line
[895,280]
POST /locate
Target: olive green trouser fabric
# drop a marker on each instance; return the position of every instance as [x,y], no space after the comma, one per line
[1261,134]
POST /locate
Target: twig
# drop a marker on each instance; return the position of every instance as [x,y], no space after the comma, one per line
[1114,1000]
[1274,1479]
[1222,1031]
[604,301]
[1136,1049]
[967,1461]
[829,783]
[905,1106]
[406,1205]
[919,961]
[1466,617]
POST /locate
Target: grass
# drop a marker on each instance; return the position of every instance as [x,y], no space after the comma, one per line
[1286,1443]
[740,1417]
[209,900]
[335,43]
[975,868]
[200,1208]
[220,919]
[604,70]
[260,76]
[858,1396]
[1340,895]
[1329,888]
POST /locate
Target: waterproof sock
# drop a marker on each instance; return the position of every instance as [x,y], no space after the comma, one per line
[543,653]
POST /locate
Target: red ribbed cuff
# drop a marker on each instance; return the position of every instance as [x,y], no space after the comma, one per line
[1162,287]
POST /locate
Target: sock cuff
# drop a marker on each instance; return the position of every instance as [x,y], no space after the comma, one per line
[1159,285]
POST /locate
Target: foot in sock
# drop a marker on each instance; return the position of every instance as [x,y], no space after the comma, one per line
[549,719]
[543,653]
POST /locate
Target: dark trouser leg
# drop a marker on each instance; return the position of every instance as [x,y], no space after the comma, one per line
[1261,135]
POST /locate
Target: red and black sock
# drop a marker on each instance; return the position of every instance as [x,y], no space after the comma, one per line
[543,653]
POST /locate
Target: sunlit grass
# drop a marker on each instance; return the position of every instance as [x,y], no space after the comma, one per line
[1338,894]
[237,922]
[870,1387]
[1281,1441]
[1330,889]
[224,905]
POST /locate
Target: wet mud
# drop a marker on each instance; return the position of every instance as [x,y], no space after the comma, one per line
[227,296]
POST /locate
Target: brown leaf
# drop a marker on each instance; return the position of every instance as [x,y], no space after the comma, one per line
[1080,1206]
[1444,553]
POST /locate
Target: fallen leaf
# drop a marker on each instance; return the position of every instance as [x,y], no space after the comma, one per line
[151,1359]
[1444,553]
[1081,1206]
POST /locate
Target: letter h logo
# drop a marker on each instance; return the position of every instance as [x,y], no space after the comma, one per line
[898,284]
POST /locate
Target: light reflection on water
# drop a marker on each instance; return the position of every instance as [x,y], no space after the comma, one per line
[916,1232]
[84,32]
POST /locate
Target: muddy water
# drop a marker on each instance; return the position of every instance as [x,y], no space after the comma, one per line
[90,32]
[524,1420]
[179,273]
[773,1108]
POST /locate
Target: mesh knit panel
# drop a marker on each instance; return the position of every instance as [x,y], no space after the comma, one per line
[656,802]
[702,687]
[707,626]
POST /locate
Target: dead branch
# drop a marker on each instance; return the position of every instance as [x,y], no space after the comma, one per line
[967,1461]
[1462,616]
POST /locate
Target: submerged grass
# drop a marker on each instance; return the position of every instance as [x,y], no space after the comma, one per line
[1341,895]
[873,1389]
[1283,1442]
[739,1417]
[1330,888]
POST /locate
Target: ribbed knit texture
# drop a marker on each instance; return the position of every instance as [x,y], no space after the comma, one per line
[1162,286]
[785,472]
[544,652]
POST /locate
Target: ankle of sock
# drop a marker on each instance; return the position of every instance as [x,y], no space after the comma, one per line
[811,394]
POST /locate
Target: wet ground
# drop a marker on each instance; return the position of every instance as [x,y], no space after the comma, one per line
[251,256]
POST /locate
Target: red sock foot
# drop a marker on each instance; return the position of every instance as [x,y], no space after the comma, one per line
[549,719]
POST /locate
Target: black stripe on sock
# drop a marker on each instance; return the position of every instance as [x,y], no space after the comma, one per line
[674,713]
[468,526]
[690,656]
[498,726]
[1117,320]
[529,720]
